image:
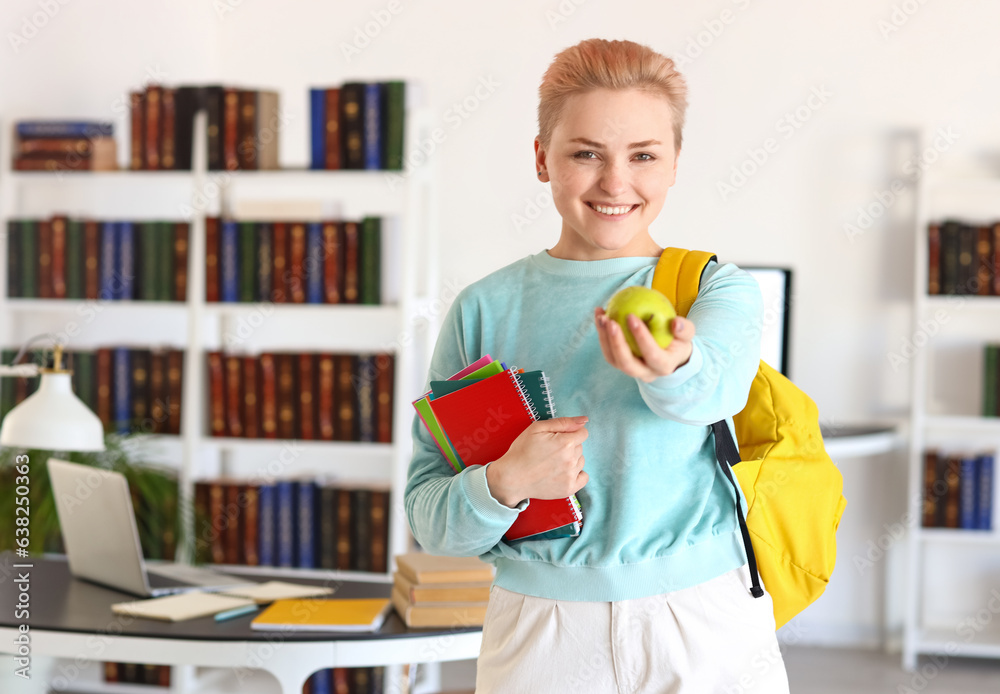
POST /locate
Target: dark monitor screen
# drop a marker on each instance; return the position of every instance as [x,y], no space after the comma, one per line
[776,288]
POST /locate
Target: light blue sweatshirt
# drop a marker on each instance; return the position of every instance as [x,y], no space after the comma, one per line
[658,513]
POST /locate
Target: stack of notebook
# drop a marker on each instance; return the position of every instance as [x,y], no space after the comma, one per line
[475,415]
[429,591]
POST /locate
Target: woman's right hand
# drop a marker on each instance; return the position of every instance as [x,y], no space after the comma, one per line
[545,461]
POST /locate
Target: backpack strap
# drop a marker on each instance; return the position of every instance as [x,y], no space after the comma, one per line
[728,455]
[678,276]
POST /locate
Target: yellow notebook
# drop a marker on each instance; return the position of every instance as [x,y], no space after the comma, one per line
[334,614]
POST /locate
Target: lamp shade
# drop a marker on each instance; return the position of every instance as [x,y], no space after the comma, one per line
[54,419]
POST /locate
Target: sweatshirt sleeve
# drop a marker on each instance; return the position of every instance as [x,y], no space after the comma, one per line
[451,514]
[715,382]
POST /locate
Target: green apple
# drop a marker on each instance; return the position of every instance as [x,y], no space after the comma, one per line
[652,307]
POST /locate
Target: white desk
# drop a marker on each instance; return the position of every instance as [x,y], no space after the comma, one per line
[854,441]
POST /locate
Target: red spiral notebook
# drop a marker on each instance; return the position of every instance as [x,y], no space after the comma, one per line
[482,420]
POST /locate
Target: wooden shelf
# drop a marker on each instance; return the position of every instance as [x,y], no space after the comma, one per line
[257,328]
[979,425]
[404,199]
[986,643]
[75,305]
[352,448]
[957,536]
[948,301]
[939,197]
[118,174]
[380,312]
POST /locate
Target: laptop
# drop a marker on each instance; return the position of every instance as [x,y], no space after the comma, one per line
[102,540]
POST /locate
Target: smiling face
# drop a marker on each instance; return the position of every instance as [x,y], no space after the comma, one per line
[610,160]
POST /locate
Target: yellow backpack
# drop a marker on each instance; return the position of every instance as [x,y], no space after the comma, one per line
[793,490]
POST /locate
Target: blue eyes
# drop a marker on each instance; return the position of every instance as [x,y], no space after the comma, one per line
[642,156]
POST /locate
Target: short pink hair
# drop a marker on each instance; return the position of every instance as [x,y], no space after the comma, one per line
[601,64]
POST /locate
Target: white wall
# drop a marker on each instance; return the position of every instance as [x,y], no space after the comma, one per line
[939,67]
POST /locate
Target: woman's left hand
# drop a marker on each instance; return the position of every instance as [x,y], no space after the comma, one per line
[656,361]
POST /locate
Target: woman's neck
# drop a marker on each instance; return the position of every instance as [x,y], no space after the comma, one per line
[569,251]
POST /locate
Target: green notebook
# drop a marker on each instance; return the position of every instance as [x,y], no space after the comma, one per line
[439,388]
[424,410]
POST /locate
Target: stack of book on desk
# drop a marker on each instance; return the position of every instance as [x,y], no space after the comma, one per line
[431,591]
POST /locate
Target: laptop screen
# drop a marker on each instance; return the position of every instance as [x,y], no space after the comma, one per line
[98,525]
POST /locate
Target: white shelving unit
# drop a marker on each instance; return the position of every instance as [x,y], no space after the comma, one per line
[950,572]
[404,327]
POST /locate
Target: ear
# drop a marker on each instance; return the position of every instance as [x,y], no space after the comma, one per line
[540,162]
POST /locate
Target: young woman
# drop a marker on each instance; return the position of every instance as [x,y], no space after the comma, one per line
[653,595]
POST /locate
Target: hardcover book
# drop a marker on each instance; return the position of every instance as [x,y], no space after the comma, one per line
[457,614]
[317,128]
[424,569]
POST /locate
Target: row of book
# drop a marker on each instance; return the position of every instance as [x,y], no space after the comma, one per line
[432,591]
[963,258]
[131,390]
[357,125]
[137,673]
[331,261]
[340,680]
[363,680]
[243,127]
[958,490]
[307,396]
[64,146]
[991,380]
[65,258]
[299,523]
[354,125]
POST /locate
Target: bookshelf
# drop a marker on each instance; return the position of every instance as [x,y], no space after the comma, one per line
[404,326]
[950,572]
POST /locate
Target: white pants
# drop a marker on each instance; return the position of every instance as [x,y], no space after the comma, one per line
[711,638]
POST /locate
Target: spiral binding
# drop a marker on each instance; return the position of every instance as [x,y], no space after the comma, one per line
[525,400]
[574,504]
[549,404]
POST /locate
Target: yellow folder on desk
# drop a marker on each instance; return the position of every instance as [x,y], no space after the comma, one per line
[334,614]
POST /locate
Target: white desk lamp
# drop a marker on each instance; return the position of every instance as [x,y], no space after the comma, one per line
[53,417]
